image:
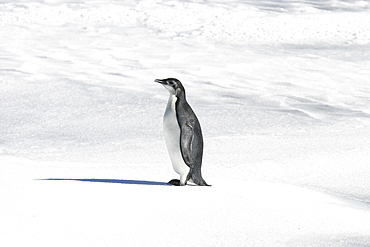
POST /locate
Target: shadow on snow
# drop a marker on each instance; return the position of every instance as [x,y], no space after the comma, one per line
[113,181]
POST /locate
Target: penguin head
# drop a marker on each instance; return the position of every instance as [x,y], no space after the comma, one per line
[173,85]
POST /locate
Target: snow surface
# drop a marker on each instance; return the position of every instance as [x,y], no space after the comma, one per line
[281,89]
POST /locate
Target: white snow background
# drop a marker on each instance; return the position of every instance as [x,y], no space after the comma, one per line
[282,91]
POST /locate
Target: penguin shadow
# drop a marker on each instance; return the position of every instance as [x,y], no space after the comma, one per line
[112,181]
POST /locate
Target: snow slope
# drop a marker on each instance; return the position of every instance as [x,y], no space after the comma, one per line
[281,89]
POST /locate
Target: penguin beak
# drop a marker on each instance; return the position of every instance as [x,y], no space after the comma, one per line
[166,85]
[160,81]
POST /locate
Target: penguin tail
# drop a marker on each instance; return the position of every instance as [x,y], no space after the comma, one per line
[196,177]
[203,183]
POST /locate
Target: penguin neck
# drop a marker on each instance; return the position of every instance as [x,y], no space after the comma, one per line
[181,96]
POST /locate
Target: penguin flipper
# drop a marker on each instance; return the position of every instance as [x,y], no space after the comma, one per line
[186,142]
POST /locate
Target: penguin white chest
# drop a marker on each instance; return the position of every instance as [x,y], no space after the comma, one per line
[172,137]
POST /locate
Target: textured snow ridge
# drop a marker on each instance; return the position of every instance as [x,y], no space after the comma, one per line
[55,14]
[216,21]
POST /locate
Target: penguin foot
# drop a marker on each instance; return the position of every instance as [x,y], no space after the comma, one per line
[175,182]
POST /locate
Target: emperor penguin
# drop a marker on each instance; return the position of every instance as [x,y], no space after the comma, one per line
[183,135]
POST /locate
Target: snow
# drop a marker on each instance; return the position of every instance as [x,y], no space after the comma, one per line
[281,89]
